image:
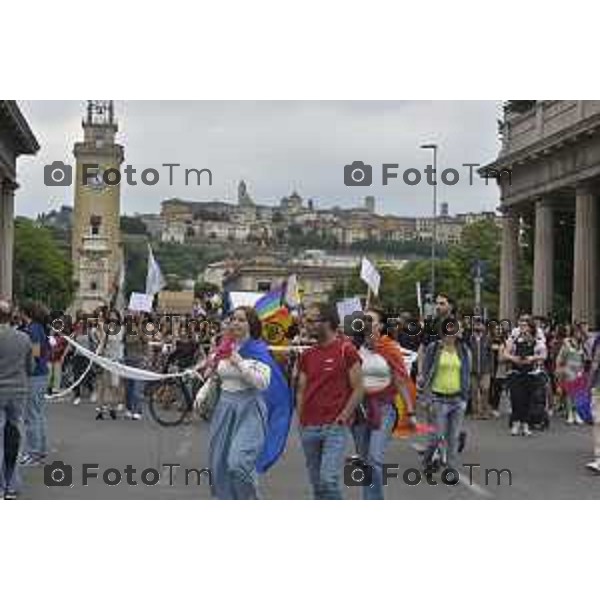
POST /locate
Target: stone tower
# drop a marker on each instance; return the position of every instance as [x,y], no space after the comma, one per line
[244,198]
[96,244]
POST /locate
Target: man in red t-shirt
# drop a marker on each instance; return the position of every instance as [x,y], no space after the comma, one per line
[329,389]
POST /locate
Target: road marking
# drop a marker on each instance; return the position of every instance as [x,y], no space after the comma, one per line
[474,487]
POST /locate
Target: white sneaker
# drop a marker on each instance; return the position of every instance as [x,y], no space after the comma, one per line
[570,419]
[515,428]
[578,419]
[525,429]
[496,414]
[77,401]
[128,414]
[594,465]
[136,416]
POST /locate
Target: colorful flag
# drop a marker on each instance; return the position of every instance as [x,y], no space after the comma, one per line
[270,303]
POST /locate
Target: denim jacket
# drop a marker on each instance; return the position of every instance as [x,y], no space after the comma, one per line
[431,360]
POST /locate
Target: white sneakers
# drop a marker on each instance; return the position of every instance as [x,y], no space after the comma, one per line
[519,428]
[574,419]
[594,465]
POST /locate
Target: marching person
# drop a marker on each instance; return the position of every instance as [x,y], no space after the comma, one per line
[110,333]
[329,390]
[81,336]
[15,367]
[445,388]
[482,360]
[36,443]
[250,423]
[384,375]
[524,350]
[570,368]
[594,387]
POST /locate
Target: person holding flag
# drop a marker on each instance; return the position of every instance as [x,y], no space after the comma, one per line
[251,420]
[384,375]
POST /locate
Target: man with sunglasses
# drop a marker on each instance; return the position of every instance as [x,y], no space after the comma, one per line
[330,388]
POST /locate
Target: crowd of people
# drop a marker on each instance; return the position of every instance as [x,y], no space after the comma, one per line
[343,384]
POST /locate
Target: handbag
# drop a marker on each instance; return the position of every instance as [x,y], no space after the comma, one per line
[207,397]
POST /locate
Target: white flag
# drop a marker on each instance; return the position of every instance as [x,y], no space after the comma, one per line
[370,275]
[292,292]
[154,278]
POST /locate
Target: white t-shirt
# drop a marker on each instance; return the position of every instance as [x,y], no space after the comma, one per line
[376,371]
[251,374]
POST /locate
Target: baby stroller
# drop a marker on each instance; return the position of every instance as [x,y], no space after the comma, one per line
[538,409]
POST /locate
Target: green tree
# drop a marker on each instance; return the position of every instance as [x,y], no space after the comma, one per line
[454,274]
[133,225]
[42,269]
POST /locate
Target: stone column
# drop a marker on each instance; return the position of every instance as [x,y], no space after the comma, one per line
[6,237]
[508,265]
[543,259]
[585,262]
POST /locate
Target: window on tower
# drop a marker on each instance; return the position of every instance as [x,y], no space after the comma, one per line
[93,286]
[95,222]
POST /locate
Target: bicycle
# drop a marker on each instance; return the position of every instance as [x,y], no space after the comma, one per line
[171,401]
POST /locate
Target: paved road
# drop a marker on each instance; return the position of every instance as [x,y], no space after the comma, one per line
[547,465]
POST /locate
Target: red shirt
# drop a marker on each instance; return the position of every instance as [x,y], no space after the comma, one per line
[327,371]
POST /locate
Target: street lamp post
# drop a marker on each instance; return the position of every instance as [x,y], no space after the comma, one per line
[434,232]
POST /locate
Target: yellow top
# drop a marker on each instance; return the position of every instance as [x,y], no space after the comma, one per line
[447,376]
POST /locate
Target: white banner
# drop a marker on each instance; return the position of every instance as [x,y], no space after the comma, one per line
[139,302]
[123,370]
[347,306]
[370,275]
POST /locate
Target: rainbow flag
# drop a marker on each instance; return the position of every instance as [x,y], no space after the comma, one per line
[269,304]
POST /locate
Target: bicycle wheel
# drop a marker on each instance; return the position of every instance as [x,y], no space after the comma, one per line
[168,402]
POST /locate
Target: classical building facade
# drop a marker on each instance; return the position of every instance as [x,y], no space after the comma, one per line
[549,163]
[16,139]
[96,245]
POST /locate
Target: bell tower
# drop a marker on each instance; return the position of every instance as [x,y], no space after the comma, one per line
[96,245]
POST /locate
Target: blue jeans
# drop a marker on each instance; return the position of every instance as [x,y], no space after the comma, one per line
[10,412]
[371,445]
[447,415]
[324,450]
[134,389]
[35,417]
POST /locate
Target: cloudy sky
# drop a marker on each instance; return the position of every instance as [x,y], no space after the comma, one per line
[275,147]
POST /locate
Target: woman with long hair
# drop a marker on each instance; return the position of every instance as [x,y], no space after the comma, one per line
[384,376]
[252,416]
[110,390]
[570,369]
